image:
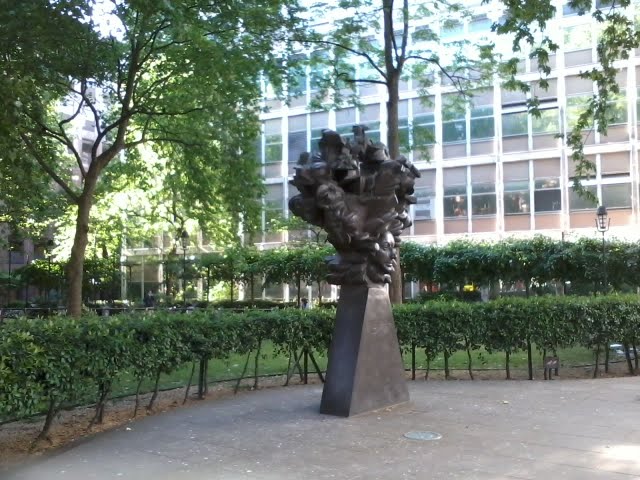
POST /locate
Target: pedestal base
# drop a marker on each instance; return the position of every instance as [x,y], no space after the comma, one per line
[365,370]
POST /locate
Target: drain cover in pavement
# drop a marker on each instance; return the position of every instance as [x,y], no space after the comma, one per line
[423,435]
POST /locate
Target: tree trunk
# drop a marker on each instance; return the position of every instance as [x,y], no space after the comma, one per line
[507,365]
[393,138]
[75,266]
[627,355]
[469,361]
[48,421]
[446,365]
[155,392]
[595,369]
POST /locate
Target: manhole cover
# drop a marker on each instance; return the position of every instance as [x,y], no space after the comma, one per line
[423,435]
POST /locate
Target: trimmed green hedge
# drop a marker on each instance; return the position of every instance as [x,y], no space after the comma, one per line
[60,361]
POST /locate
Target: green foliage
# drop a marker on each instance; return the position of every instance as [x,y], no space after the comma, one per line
[174,85]
[60,362]
[535,263]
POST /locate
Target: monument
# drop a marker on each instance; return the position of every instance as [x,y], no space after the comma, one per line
[360,196]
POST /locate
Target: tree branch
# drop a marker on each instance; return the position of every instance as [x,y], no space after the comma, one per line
[354,51]
[47,168]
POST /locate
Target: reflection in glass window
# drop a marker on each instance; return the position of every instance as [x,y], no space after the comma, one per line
[482,125]
[297,145]
[424,130]
[515,124]
[616,195]
[547,122]
[618,106]
[273,149]
[516,198]
[577,37]
[454,125]
[575,106]
[581,202]
[547,195]
[319,69]
[297,84]
[403,134]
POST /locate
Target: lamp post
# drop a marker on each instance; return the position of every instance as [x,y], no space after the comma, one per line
[184,240]
[49,250]
[602,224]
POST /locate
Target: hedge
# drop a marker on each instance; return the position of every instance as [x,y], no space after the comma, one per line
[52,363]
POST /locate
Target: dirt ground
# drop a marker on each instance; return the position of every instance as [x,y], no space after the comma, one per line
[17,439]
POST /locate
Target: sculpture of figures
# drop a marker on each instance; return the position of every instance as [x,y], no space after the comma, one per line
[360,196]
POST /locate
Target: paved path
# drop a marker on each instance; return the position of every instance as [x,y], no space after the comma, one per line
[567,429]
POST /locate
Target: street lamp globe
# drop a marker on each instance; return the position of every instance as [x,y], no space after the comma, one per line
[602,219]
[184,239]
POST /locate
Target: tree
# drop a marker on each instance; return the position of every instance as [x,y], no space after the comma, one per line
[526,22]
[300,265]
[178,77]
[422,55]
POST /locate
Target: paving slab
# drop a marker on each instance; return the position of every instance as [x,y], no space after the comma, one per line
[567,429]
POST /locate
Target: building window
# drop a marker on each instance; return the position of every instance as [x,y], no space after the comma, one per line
[575,106]
[517,197]
[273,201]
[273,149]
[618,105]
[515,124]
[577,37]
[424,207]
[451,28]
[297,137]
[546,123]
[454,125]
[483,199]
[482,125]
[547,195]
[345,120]
[581,202]
[319,70]
[455,201]
[297,84]
[424,130]
[480,24]
[617,195]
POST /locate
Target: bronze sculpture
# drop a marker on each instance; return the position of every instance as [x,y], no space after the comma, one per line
[360,196]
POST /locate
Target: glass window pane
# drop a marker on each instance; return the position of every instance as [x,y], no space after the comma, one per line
[454,131]
[424,207]
[517,202]
[618,113]
[455,190]
[455,206]
[482,128]
[516,186]
[617,195]
[484,204]
[547,122]
[514,124]
[575,106]
[548,200]
[297,145]
[545,183]
[577,37]
[577,202]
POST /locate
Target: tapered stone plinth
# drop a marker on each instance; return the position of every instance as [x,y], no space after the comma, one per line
[365,370]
